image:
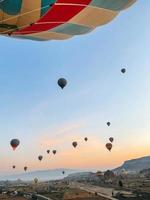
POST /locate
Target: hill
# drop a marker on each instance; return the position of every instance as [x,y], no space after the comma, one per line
[134,165]
[42,175]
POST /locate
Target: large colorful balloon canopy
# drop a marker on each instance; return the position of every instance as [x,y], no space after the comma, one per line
[56,19]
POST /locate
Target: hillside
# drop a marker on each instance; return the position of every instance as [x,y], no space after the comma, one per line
[134,165]
[54,174]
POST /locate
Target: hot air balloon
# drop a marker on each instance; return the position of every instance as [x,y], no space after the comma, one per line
[74,144]
[48,151]
[40,158]
[109,146]
[56,19]
[123,70]
[36,180]
[111,139]
[14,143]
[86,139]
[25,169]
[13,166]
[63,172]
[108,123]
[62,82]
[54,152]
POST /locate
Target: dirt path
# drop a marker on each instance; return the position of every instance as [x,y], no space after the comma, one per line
[103,192]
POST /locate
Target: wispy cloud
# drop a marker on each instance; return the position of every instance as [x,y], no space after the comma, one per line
[58,136]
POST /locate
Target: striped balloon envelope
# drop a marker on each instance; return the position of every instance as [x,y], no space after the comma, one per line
[56,19]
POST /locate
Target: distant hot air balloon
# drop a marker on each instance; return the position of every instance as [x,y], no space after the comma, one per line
[86,139]
[54,152]
[13,166]
[123,70]
[36,180]
[40,158]
[25,169]
[111,139]
[48,151]
[62,82]
[63,172]
[14,143]
[56,19]
[108,123]
[109,146]
[74,144]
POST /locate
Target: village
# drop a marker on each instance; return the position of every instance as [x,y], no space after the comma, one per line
[82,186]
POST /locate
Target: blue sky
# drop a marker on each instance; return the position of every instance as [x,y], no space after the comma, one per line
[34,109]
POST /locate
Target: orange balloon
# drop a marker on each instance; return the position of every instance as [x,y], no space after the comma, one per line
[109,146]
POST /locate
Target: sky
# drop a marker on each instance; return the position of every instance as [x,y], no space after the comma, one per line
[42,116]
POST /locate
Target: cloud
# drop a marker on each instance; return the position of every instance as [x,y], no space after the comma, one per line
[59,136]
